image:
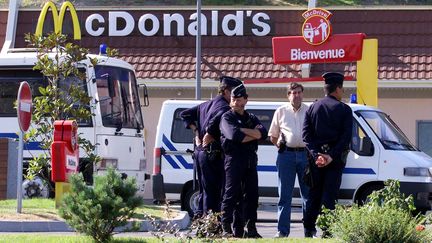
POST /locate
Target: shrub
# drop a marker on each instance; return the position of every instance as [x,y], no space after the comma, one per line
[377,224]
[97,211]
[386,217]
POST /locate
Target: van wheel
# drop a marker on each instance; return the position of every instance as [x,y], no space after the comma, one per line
[362,199]
[190,201]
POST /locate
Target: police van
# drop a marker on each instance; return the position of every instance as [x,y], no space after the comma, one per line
[379,151]
[117,124]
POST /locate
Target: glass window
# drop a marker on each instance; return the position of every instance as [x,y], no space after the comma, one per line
[179,134]
[424,135]
[389,134]
[9,84]
[358,135]
[118,98]
[265,116]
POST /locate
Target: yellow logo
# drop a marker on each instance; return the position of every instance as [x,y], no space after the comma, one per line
[58,18]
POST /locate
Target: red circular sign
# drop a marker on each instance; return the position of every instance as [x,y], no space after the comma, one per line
[24,106]
[316,30]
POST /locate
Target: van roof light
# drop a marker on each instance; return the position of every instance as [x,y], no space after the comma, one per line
[353,98]
[103,49]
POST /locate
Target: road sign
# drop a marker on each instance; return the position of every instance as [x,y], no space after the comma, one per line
[24,111]
[24,106]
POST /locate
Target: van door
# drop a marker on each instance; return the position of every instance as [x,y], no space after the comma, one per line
[177,160]
[362,163]
[267,154]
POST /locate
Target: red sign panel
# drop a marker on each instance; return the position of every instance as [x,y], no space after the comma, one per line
[337,48]
[24,106]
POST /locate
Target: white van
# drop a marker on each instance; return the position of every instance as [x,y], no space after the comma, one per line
[379,151]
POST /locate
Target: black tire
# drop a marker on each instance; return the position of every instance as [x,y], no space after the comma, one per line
[362,198]
[189,202]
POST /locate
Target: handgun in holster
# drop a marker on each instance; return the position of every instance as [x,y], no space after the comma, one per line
[282,144]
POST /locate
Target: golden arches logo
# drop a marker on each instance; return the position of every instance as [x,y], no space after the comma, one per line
[58,18]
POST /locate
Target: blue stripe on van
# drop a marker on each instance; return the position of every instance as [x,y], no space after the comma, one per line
[171,161]
[260,168]
[180,158]
[27,146]
[363,171]
[266,168]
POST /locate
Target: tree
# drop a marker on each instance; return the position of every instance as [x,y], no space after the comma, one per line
[97,211]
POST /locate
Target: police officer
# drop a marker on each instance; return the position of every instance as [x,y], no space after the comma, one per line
[327,133]
[240,134]
[204,120]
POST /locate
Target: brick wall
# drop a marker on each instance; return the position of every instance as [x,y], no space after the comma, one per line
[3,167]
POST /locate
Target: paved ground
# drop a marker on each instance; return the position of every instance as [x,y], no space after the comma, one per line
[267,225]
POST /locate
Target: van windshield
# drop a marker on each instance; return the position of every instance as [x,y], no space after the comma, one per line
[118,97]
[389,134]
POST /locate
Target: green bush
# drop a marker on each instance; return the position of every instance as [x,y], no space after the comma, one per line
[97,211]
[386,217]
[377,224]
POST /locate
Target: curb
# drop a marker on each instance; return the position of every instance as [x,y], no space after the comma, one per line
[182,221]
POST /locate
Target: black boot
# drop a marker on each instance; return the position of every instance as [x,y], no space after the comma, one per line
[252,231]
[239,232]
[226,230]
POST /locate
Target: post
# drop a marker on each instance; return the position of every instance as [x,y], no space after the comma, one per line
[19,172]
[198,53]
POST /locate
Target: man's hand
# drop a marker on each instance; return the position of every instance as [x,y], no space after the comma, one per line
[259,126]
[323,160]
[197,141]
[207,139]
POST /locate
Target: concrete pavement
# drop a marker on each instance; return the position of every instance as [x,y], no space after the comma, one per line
[267,224]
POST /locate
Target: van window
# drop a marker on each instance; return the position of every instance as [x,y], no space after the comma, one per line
[357,134]
[389,134]
[9,83]
[179,134]
[265,116]
[118,97]
[424,134]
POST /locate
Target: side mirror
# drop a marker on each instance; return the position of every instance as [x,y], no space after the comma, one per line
[366,147]
[145,95]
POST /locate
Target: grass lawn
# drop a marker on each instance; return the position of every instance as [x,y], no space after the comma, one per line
[69,239]
[44,209]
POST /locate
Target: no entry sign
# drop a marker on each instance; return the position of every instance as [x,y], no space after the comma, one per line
[24,106]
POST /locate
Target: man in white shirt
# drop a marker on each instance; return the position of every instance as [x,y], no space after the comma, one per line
[286,133]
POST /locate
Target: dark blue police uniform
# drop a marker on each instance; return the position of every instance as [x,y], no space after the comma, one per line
[327,129]
[209,160]
[241,182]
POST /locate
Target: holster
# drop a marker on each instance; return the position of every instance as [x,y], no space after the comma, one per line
[282,148]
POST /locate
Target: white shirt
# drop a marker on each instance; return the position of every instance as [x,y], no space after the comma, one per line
[290,123]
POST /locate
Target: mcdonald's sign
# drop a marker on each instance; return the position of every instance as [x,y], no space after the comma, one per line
[58,18]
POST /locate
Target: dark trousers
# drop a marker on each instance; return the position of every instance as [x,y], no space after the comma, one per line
[240,201]
[210,180]
[325,191]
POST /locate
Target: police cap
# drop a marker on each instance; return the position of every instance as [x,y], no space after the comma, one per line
[333,78]
[230,81]
[239,91]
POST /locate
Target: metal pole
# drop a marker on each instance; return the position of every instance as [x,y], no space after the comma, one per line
[198,53]
[306,67]
[19,172]
[11,26]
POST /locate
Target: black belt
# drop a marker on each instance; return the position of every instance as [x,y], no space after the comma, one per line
[299,149]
